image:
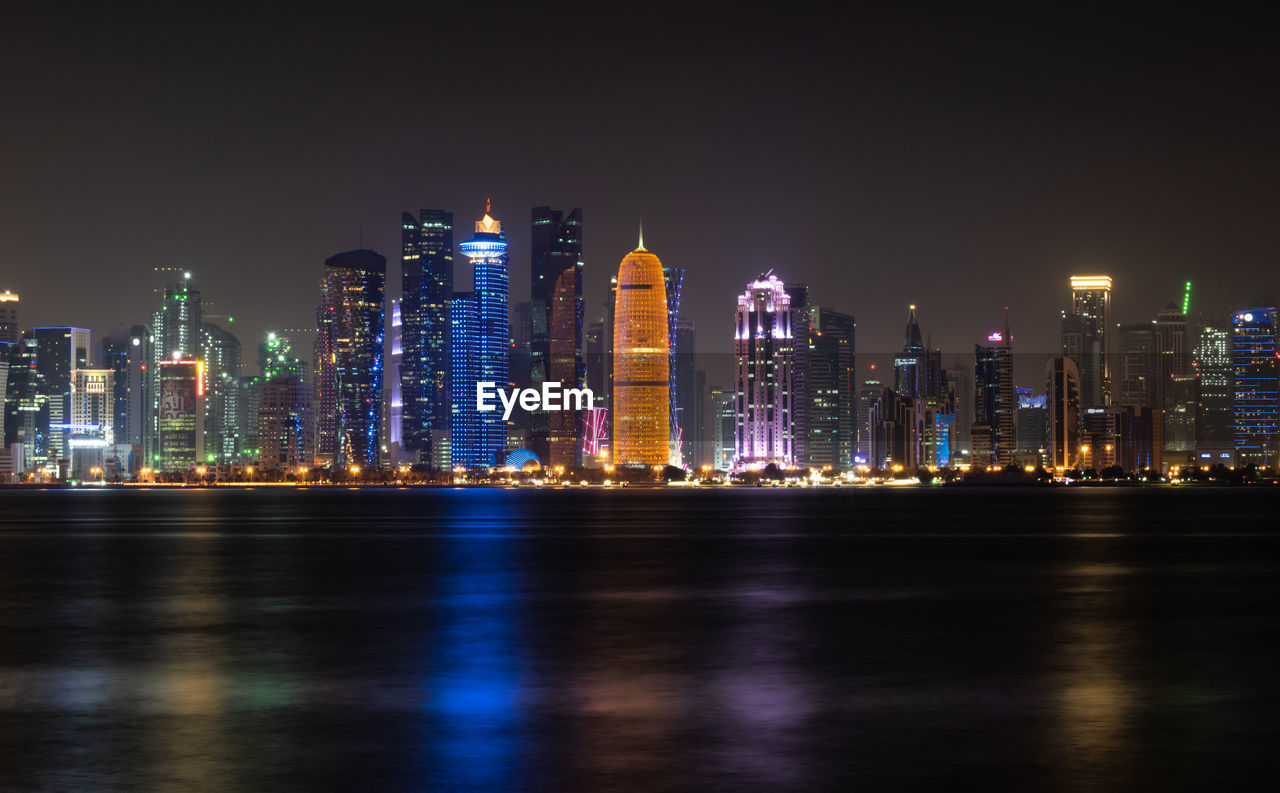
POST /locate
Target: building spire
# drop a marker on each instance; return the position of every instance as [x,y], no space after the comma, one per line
[487,210]
[640,247]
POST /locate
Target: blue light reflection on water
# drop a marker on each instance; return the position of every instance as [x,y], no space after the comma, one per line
[472,664]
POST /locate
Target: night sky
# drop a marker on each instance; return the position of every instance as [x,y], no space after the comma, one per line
[958,162]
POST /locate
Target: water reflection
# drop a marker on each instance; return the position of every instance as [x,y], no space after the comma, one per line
[475,661]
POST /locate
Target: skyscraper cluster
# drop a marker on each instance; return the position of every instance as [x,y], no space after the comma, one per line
[397,384]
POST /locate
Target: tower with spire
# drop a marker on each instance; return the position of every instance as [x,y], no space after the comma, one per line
[481,343]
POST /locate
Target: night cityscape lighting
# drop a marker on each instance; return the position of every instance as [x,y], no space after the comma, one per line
[352,438]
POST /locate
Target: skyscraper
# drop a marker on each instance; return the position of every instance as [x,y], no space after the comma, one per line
[349,346]
[763,346]
[1212,365]
[556,316]
[180,423]
[1175,385]
[641,362]
[10,331]
[92,433]
[62,350]
[1256,366]
[479,439]
[127,353]
[673,279]
[27,405]
[993,434]
[426,279]
[1062,400]
[830,435]
[286,423]
[688,397]
[1136,385]
[221,353]
[1090,319]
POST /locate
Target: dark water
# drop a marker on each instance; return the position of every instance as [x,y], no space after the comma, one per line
[745,640]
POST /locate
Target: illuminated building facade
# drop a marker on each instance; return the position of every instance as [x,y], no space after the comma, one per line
[62,350]
[349,350]
[221,352]
[27,405]
[10,331]
[393,410]
[1089,328]
[869,395]
[829,373]
[286,424]
[127,353]
[1212,366]
[1062,402]
[1256,370]
[1175,384]
[993,436]
[641,362]
[426,280]
[763,346]
[556,345]
[92,432]
[481,348]
[688,394]
[673,280]
[180,422]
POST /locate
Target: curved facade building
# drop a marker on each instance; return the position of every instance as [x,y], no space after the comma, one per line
[641,366]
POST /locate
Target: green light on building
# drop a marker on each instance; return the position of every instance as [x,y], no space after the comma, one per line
[1186,300]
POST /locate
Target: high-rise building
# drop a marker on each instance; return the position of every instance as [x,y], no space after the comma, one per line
[688,397]
[27,405]
[918,375]
[1174,382]
[641,398]
[393,409]
[276,358]
[869,395]
[1136,385]
[483,331]
[556,311]
[1256,364]
[993,436]
[723,422]
[1086,335]
[959,380]
[349,347]
[426,278]
[62,350]
[10,330]
[1032,424]
[126,351]
[1062,401]
[221,353]
[92,433]
[673,279]
[799,294]
[180,441]
[763,347]
[286,424]
[830,435]
[1212,365]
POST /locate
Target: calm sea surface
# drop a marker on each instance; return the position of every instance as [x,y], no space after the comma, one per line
[639,640]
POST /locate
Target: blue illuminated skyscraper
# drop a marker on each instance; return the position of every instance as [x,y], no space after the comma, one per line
[1256,371]
[426,280]
[349,353]
[481,346]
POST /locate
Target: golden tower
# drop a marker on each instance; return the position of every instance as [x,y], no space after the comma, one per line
[641,388]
